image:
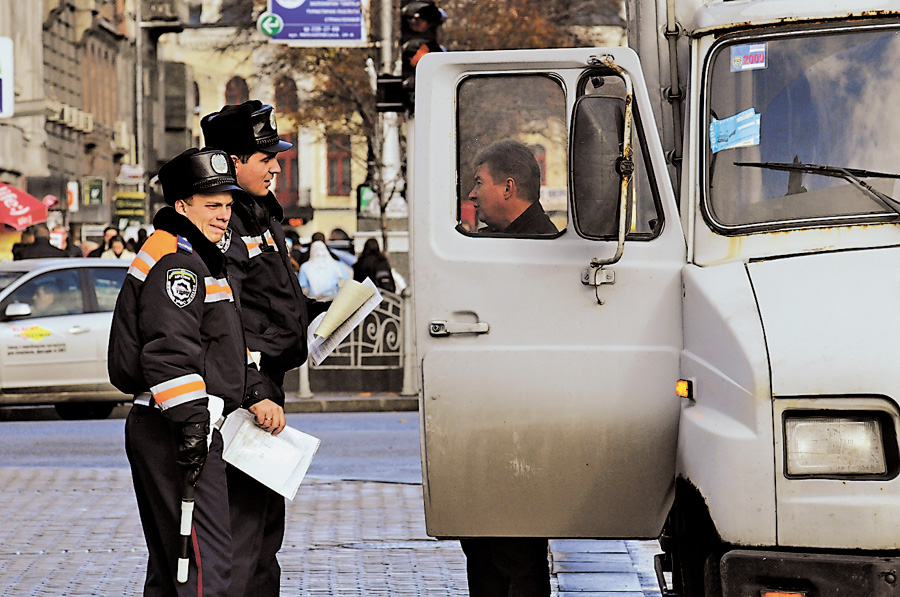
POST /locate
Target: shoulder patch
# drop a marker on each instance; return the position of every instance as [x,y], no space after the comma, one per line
[185,244]
[181,286]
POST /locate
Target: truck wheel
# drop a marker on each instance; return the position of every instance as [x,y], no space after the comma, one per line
[75,411]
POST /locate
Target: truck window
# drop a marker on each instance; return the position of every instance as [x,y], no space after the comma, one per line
[511,156]
[595,214]
[788,116]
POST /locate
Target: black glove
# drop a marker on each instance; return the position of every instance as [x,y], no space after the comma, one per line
[192,450]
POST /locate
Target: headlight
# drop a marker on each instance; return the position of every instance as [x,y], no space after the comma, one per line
[834,446]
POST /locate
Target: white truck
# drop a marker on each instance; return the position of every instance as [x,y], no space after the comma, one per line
[764,289]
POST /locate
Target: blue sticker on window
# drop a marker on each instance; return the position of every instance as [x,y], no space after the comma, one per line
[748,57]
[740,130]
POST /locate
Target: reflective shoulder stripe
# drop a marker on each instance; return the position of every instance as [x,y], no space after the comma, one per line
[179,390]
[217,290]
[270,240]
[159,244]
[254,245]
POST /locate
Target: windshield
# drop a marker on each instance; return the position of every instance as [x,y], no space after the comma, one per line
[788,115]
[8,277]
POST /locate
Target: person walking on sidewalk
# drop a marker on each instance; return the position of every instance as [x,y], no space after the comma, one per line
[177,346]
[276,315]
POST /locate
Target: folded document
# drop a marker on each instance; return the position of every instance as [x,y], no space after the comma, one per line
[277,461]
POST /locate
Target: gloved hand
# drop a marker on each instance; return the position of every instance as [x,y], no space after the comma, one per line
[192,450]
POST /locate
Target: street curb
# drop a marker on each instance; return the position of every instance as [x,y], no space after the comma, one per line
[351,403]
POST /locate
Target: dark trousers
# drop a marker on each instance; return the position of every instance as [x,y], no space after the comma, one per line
[150,446]
[257,529]
[507,567]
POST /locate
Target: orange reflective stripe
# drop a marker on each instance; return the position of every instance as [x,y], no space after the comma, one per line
[159,244]
[187,388]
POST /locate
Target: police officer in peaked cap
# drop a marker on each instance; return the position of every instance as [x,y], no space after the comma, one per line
[176,345]
[275,313]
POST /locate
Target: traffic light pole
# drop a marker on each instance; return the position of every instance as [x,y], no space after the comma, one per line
[393,205]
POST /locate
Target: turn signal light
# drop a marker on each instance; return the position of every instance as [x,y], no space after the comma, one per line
[782,594]
[684,388]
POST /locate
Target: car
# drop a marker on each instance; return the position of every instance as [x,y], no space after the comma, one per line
[55,317]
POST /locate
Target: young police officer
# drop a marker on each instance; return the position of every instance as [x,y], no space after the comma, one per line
[177,345]
[275,314]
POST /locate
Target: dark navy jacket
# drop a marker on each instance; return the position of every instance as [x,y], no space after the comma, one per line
[176,329]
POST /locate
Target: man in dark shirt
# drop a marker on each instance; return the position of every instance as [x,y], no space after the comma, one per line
[507,189]
[41,246]
[506,192]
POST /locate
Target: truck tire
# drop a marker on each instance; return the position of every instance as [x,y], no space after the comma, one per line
[76,411]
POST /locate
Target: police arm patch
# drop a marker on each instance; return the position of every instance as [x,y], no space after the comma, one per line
[181,286]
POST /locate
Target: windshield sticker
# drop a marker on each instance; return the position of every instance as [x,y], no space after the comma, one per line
[740,130]
[748,57]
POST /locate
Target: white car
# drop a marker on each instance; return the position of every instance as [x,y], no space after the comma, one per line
[55,317]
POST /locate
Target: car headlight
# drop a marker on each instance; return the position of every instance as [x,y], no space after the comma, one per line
[819,445]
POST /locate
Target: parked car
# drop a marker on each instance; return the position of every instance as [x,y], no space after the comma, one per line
[55,316]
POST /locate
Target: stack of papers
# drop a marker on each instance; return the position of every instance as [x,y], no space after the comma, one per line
[277,461]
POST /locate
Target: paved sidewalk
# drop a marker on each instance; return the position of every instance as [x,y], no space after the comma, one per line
[75,532]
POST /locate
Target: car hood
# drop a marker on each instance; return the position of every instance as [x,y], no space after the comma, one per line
[831,322]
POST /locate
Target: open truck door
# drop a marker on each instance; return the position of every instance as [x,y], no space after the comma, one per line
[548,359]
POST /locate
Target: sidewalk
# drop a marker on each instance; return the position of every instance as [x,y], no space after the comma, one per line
[350,402]
[75,532]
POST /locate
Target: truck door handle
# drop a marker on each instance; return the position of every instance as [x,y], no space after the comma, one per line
[77,329]
[439,327]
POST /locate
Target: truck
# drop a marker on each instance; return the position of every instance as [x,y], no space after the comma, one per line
[703,354]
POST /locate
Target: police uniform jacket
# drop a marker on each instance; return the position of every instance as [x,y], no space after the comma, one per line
[176,332]
[275,311]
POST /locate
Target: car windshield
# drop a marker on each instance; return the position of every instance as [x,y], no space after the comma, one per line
[802,129]
[8,277]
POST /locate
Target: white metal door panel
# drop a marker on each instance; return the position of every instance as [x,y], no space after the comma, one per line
[561,419]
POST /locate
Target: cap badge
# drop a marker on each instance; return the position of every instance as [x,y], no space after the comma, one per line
[272,120]
[219,163]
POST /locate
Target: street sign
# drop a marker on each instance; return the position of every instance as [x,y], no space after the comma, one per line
[6,77]
[270,24]
[317,23]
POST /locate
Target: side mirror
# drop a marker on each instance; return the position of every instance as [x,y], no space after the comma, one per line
[598,126]
[602,165]
[14,310]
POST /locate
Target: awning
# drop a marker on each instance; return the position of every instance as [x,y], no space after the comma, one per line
[18,209]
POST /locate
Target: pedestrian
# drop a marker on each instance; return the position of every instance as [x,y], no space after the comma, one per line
[117,250]
[374,264]
[275,314]
[506,197]
[176,345]
[26,238]
[41,247]
[71,249]
[108,234]
[321,276]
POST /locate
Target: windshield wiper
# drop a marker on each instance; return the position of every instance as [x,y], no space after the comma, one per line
[852,175]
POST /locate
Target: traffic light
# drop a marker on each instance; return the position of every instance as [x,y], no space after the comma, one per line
[420,22]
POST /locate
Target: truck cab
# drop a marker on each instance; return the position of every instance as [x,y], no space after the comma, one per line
[728,224]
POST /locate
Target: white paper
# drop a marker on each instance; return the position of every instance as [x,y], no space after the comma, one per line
[277,461]
[319,348]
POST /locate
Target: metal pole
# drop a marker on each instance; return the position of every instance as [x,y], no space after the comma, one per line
[304,391]
[139,102]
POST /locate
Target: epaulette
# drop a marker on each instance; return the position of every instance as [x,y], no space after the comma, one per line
[185,244]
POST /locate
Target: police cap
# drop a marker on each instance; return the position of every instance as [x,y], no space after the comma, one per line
[242,129]
[197,172]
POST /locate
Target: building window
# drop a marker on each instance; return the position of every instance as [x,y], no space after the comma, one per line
[288,189]
[286,95]
[338,150]
[236,91]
